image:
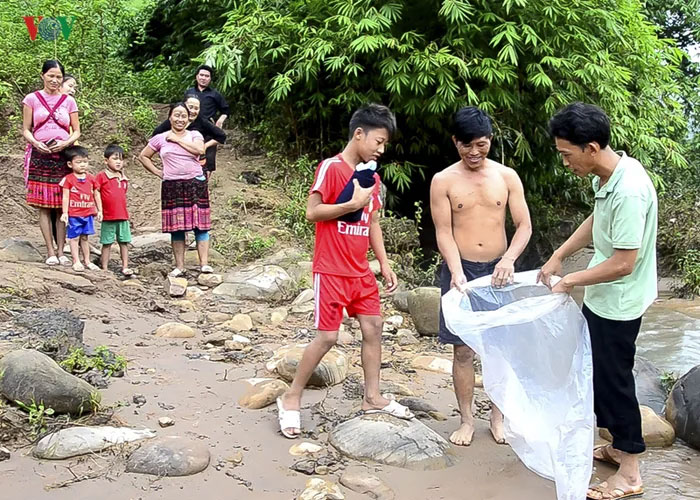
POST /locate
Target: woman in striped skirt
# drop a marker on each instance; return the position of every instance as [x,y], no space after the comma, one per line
[184,190]
[49,124]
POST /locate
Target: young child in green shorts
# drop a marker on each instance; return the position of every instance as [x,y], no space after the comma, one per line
[113,185]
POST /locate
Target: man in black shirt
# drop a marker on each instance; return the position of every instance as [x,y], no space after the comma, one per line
[211,103]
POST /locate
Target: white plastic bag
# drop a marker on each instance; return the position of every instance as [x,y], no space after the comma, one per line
[536,358]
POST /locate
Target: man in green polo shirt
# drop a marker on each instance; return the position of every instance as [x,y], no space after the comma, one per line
[620,281]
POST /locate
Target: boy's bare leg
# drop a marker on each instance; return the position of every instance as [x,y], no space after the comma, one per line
[314,352]
[85,247]
[179,253]
[463,379]
[75,249]
[124,253]
[371,327]
[203,252]
[104,258]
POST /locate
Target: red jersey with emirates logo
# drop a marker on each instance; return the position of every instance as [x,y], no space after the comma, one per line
[82,200]
[113,187]
[341,247]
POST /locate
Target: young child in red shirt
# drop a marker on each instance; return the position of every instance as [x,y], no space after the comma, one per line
[342,277]
[81,203]
[113,184]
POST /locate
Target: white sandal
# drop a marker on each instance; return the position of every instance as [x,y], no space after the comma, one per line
[288,419]
[78,267]
[65,261]
[93,267]
[393,408]
[207,269]
[175,273]
[52,261]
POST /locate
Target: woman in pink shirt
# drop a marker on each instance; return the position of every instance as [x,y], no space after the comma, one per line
[50,124]
[184,191]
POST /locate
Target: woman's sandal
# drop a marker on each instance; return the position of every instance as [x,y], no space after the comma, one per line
[605,493]
[288,419]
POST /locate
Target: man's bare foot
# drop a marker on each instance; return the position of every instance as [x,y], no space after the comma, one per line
[291,403]
[463,436]
[496,427]
[616,486]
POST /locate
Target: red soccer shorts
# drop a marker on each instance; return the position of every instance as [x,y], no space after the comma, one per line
[333,293]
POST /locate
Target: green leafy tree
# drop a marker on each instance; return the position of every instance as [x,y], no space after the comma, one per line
[304,65]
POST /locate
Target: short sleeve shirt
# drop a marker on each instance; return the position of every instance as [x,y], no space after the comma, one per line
[341,247]
[82,200]
[113,188]
[50,129]
[178,163]
[625,218]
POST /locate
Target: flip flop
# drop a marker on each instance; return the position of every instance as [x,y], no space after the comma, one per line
[615,493]
[393,408]
[288,419]
[605,455]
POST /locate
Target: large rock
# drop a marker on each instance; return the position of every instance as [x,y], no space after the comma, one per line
[400,300]
[176,287]
[31,377]
[52,330]
[332,369]
[174,330]
[262,392]
[262,282]
[209,279]
[361,481]
[647,379]
[424,306]
[656,431]
[683,407]
[169,456]
[301,273]
[19,250]
[388,440]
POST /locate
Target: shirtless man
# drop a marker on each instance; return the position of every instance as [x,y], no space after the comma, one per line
[468,203]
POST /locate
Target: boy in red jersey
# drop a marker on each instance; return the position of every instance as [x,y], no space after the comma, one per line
[342,278]
[113,185]
[81,202]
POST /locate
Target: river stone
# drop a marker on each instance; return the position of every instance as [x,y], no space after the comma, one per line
[169,456]
[432,363]
[209,279]
[71,282]
[388,440]
[174,330]
[304,296]
[424,306]
[656,431]
[184,305]
[194,293]
[215,318]
[260,282]
[304,448]
[683,407]
[31,377]
[306,308]
[332,369]
[320,489]
[176,287]
[239,323]
[361,481]
[262,392]
[278,315]
[647,379]
[19,250]
[405,337]
[400,300]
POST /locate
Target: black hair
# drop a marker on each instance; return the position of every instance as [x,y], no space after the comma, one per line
[580,124]
[50,64]
[373,116]
[469,123]
[74,152]
[177,105]
[68,76]
[114,149]
[191,96]
[205,67]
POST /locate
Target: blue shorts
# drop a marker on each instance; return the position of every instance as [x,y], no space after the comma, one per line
[78,226]
[472,271]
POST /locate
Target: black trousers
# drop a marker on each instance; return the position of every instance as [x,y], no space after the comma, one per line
[614,397]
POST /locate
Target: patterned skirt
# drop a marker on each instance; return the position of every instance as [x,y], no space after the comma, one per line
[185,205]
[44,172]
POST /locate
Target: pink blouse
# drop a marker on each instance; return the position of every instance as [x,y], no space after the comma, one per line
[178,163]
[50,129]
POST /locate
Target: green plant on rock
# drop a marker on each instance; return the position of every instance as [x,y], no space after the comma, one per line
[37,415]
[103,361]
